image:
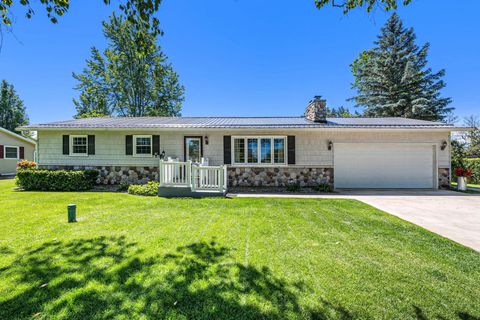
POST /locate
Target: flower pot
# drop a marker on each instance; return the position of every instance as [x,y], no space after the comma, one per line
[462,183]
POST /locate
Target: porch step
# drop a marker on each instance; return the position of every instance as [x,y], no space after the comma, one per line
[186,192]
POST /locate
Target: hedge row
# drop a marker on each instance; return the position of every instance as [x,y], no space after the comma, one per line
[56,180]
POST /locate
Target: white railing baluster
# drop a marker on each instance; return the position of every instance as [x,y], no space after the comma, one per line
[198,178]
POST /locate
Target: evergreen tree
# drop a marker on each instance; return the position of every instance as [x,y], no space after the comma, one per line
[12,110]
[393,80]
[131,78]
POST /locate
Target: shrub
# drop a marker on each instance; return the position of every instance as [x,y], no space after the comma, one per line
[150,189]
[56,180]
[25,164]
[474,165]
[293,187]
[123,186]
[323,187]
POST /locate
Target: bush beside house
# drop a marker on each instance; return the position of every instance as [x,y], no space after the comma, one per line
[149,189]
[56,180]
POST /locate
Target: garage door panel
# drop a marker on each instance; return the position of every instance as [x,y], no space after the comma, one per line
[381,165]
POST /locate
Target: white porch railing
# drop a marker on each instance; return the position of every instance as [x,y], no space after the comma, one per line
[175,174]
[197,177]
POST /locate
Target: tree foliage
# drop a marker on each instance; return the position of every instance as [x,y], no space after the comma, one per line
[393,80]
[57,8]
[458,154]
[348,5]
[341,112]
[472,138]
[132,77]
[12,109]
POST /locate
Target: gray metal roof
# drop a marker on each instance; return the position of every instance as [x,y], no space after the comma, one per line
[233,122]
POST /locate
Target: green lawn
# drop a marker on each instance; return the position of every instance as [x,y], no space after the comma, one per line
[130,257]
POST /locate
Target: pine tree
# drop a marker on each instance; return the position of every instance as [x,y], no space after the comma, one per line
[393,80]
[131,78]
[12,110]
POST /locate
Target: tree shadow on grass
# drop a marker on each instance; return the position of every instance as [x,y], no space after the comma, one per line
[109,277]
[420,315]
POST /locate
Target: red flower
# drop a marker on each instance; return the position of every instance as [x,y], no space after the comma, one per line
[25,164]
[463,172]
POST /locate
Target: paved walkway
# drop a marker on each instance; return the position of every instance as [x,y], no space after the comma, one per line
[451,214]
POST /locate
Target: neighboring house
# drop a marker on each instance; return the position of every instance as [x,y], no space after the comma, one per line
[258,151]
[13,148]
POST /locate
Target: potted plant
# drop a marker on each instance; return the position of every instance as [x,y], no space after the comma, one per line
[462,175]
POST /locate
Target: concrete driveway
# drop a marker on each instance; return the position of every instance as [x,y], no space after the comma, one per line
[453,215]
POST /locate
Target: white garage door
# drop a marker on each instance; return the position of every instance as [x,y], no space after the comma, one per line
[383,165]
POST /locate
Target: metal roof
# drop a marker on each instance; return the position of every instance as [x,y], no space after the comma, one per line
[233,122]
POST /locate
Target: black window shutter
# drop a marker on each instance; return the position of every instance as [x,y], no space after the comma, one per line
[66,144]
[91,144]
[22,153]
[291,149]
[156,145]
[227,149]
[1,151]
[129,145]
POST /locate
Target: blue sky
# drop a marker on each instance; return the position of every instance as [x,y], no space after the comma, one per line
[243,57]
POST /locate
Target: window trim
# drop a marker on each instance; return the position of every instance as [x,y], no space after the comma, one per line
[142,155]
[5,152]
[259,155]
[72,154]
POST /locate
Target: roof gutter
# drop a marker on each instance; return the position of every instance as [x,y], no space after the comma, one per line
[223,128]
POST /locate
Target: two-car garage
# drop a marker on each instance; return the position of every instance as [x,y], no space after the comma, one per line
[384,165]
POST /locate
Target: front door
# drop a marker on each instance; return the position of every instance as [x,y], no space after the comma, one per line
[193,149]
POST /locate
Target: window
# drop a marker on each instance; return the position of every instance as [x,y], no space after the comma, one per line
[259,150]
[142,146]
[252,151]
[79,145]
[279,150]
[266,150]
[11,153]
[239,153]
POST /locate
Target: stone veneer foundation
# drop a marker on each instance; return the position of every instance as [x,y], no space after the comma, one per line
[278,176]
[237,176]
[115,174]
[443,178]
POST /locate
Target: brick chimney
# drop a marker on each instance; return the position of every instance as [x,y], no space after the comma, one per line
[316,110]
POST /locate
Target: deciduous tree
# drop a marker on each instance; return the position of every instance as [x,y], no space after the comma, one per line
[132,77]
[348,5]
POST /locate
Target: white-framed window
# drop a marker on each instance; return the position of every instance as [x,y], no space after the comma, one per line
[11,152]
[142,146]
[259,150]
[79,145]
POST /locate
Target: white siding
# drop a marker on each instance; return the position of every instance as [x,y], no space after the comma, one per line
[311,145]
[10,165]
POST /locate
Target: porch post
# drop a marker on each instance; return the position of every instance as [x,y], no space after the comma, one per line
[160,172]
[225,177]
[189,169]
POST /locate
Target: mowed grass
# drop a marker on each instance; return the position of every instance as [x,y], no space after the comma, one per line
[131,257]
